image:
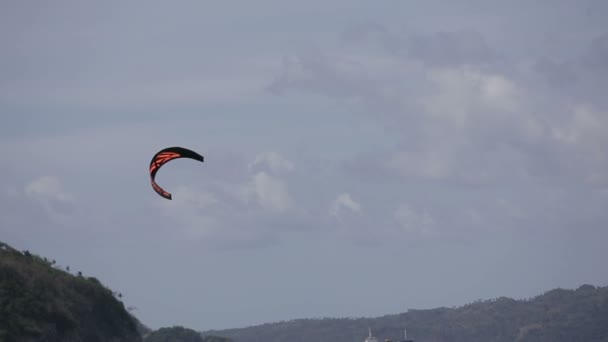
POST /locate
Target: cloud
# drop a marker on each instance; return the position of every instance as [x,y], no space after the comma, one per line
[196,211]
[464,94]
[463,128]
[462,121]
[250,212]
[49,192]
[38,206]
[417,223]
[344,201]
[494,147]
[585,128]
[264,186]
[47,187]
[217,219]
[314,71]
[585,138]
[229,200]
[270,192]
[435,49]
[273,161]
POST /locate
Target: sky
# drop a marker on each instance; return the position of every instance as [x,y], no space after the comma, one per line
[361,158]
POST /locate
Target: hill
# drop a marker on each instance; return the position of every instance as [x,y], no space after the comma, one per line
[555,316]
[39,302]
[180,334]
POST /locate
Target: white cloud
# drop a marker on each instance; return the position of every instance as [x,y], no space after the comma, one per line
[270,192]
[344,201]
[243,213]
[50,194]
[498,92]
[586,127]
[585,133]
[46,187]
[451,121]
[272,160]
[210,216]
[466,93]
[264,186]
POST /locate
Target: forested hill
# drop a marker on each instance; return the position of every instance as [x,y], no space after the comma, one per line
[180,334]
[556,316]
[40,302]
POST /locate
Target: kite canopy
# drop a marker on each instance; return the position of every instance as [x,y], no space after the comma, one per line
[162,157]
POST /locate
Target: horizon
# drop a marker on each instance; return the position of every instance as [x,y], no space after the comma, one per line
[360,158]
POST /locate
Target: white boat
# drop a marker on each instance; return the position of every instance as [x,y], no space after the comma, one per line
[371,338]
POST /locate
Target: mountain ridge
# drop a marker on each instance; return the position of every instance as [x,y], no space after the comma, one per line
[40,301]
[556,315]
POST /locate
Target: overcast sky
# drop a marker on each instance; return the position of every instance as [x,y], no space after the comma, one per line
[361,157]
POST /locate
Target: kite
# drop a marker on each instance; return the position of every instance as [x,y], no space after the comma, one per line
[165,155]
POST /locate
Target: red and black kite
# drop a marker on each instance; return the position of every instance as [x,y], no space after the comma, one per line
[162,157]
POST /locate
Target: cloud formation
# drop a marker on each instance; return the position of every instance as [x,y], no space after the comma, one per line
[344,201]
[273,161]
[413,222]
[221,213]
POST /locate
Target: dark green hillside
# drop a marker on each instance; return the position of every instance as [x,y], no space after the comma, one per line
[39,302]
[556,316]
[174,334]
[180,334]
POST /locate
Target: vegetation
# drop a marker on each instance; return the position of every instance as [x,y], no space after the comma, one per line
[557,315]
[212,338]
[180,334]
[174,334]
[39,302]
